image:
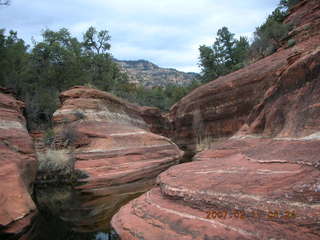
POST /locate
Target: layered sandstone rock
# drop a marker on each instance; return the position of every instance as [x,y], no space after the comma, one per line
[261,177]
[112,149]
[255,189]
[17,167]
[220,108]
[81,101]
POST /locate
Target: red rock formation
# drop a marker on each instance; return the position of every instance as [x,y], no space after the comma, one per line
[291,107]
[17,167]
[97,105]
[111,144]
[260,190]
[221,107]
[260,179]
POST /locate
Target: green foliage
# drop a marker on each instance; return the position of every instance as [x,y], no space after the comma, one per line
[59,61]
[161,97]
[49,137]
[13,60]
[95,41]
[226,55]
[55,64]
[291,43]
[288,3]
[268,37]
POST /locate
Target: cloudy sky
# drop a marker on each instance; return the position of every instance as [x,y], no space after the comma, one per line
[166,32]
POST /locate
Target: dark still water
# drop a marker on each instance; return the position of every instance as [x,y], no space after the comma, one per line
[70,213]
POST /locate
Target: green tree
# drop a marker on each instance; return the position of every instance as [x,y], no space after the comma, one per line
[95,41]
[288,3]
[57,60]
[240,53]
[208,63]
[226,55]
[223,47]
[54,64]
[13,60]
[104,73]
[268,37]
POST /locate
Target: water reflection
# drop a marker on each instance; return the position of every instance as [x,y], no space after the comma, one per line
[69,213]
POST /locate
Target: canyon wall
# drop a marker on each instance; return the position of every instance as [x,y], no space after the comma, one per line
[18,167]
[112,149]
[219,109]
[260,175]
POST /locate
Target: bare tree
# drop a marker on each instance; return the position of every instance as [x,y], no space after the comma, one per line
[4,2]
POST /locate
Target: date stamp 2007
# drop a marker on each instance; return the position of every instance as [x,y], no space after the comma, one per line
[238,214]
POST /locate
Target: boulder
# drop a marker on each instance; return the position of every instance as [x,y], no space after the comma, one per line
[112,149]
[81,101]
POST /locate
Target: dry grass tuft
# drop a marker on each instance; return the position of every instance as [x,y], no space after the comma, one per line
[56,161]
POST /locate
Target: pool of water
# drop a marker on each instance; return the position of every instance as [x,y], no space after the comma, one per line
[69,213]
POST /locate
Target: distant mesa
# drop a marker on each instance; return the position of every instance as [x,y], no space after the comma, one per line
[148,74]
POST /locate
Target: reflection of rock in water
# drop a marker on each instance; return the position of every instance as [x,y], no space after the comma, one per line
[69,213]
[99,205]
[50,227]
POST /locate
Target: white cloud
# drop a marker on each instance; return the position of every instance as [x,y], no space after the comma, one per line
[81,27]
[168,32]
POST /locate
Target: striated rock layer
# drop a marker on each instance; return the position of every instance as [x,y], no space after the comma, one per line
[17,167]
[260,179]
[81,101]
[113,149]
[253,189]
[260,94]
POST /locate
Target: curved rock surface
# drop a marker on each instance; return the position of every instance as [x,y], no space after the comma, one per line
[113,148]
[258,95]
[81,101]
[261,177]
[17,167]
[256,189]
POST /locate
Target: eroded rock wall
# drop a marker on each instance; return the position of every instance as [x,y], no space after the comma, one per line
[260,177]
[18,167]
[261,95]
[114,150]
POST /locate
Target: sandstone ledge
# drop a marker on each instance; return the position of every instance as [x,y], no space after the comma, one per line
[234,177]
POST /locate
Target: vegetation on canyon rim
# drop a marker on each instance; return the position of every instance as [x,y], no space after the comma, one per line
[228,54]
[39,73]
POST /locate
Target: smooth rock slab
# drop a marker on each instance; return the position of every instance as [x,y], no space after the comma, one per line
[156,217]
[237,179]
